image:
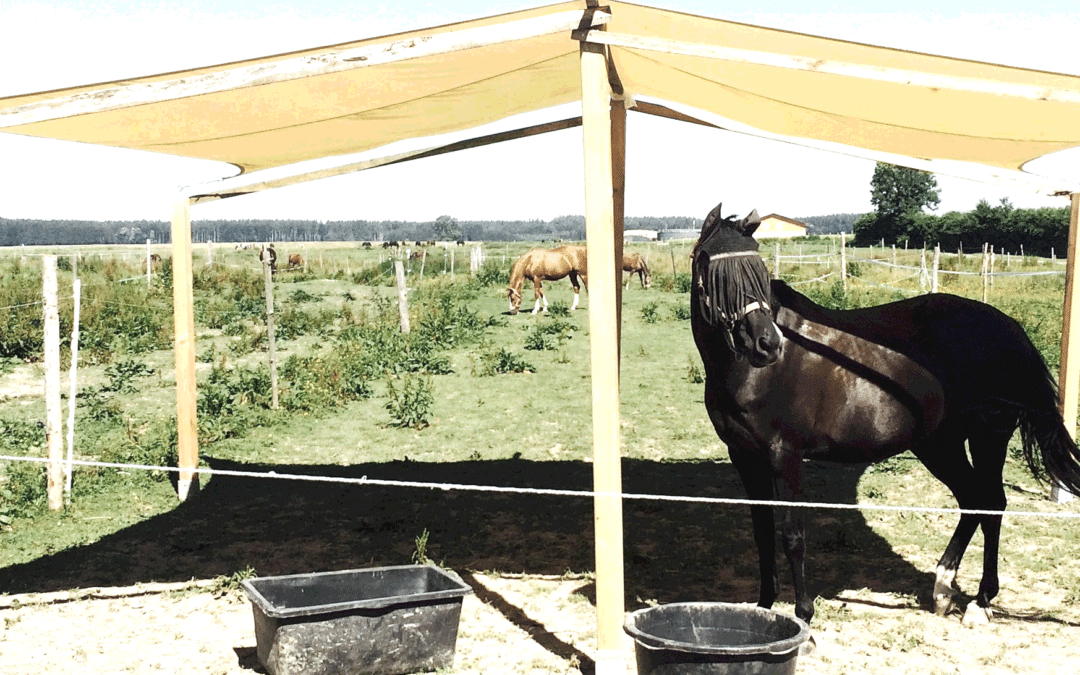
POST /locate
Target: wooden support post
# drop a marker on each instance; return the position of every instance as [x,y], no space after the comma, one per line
[776,260]
[184,349]
[54,438]
[618,203]
[148,266]
[271,340]
[403,296]
[986,272]
[1069,376]
[601,239]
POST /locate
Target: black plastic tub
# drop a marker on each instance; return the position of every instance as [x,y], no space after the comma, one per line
[376,621]
[715,638]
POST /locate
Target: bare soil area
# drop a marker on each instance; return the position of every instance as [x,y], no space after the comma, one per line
[522,624]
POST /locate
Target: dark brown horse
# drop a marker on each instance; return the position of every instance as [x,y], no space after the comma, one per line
[788,380]
[541,264]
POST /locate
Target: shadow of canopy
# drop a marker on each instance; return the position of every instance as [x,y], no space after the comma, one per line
[674,551]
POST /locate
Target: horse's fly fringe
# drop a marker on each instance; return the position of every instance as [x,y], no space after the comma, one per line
[728,282]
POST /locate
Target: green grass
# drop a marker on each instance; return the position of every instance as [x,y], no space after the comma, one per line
[507,427]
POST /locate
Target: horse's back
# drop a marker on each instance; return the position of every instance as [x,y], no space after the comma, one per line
[978,353]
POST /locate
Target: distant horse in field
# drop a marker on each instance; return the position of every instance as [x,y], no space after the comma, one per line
[153,260]
[634,263]
[295,261]
[542,264]
[788,380]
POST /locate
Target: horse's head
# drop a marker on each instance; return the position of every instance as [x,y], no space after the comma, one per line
[730,289]
[514,296]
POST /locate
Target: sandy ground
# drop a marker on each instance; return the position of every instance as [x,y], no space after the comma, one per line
[523,624]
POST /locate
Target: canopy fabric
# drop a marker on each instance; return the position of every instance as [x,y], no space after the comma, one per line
[319,113]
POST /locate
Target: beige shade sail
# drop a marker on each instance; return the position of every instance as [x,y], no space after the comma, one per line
[354,97]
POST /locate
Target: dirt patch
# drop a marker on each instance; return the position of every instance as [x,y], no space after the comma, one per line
[524,625]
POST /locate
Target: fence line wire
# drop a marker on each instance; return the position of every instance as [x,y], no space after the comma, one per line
[557,492]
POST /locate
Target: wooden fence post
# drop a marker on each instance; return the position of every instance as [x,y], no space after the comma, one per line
[403,296]
[937,264]
[923,274]
[77,293]
[54,439]
[268,284]
[148,269]
[843,260]
[985,273]
[776,260]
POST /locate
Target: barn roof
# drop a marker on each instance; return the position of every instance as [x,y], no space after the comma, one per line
[346,98]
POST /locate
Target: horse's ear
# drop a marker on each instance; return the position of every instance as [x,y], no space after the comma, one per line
[711,219]
[749,224]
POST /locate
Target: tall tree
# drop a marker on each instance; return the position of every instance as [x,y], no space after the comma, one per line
[897,191]
[447,228]
[899,195]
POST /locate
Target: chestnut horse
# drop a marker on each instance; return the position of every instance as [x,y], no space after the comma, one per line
[787,380]
[542,264]
[634,263]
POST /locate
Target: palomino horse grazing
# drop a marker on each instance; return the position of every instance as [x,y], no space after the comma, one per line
[542,264]
[634,263]
[788,380]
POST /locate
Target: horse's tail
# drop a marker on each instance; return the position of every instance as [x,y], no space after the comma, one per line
[1049,451]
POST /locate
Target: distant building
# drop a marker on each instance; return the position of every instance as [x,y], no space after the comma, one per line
[676,235]
[639,235]
[775,226]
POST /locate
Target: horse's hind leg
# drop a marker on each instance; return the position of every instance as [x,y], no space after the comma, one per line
[989,445]
[577,289]
[977,487]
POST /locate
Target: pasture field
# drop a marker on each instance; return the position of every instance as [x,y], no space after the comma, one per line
[472,396]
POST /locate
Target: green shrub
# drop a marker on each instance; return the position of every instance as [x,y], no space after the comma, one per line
[549,336]
[503,361]
[123,373]
[559,309]
[681,312]
[410,403]
[650,312]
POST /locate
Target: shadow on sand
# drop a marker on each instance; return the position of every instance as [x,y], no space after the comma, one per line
[673,551]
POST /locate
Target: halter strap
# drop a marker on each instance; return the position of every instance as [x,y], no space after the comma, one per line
[732,254]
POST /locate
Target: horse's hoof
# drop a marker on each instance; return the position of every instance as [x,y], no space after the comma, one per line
[944,603]
[977,616]
[808,647]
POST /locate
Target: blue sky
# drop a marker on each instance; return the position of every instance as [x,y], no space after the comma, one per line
[673,169]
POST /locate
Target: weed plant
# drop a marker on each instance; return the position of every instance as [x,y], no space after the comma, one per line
[500,361]
[410,401]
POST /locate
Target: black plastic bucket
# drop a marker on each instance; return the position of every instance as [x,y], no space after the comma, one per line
[715,638]
[374,621]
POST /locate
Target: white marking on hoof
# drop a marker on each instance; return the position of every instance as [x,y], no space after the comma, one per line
[944,593]
[977,616]
[536,306]
[574,305]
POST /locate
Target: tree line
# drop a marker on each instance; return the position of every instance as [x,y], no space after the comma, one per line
[900,195]
[16,232]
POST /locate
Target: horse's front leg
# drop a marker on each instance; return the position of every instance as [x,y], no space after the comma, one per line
[538,296]
[793,522]
[756,478]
